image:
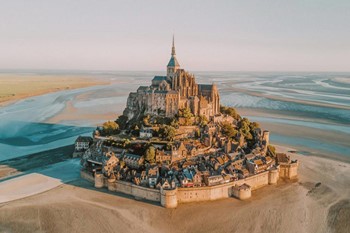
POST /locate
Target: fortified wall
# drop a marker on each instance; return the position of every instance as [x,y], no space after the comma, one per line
[240,189]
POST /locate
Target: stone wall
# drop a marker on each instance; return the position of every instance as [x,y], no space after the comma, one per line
[210,193]
[87,176]
[289,171]
[139,192]
[242,192]
[171,198]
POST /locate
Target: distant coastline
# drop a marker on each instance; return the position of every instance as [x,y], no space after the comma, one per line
[15,87]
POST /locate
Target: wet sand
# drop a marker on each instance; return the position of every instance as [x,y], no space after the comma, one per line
[317,202]
[285,99]
[14,87]
[26,163]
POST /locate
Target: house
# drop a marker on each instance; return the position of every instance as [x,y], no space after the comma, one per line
[243,173]
[146,132]
[163,156]
[213,180]
[178,151]
[261,165]
[153,174]
[252,167]
[211,129]
[133,161]
[83,143]
[197,179]
[152,181]
[144,178]
[166,183]
[237,164]
[185,182]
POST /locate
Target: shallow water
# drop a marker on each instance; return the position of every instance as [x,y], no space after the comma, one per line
[23,130]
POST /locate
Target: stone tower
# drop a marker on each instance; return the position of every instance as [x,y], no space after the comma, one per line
[173,64]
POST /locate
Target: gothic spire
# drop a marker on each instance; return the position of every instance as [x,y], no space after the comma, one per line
[173,48]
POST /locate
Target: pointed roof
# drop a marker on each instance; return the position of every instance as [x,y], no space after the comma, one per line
[173,61]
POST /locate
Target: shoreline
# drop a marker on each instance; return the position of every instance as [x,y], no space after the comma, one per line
[19,165]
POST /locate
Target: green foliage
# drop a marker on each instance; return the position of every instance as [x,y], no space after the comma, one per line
[228,130]
[254,125]
[159,120]
[174,123]
[187,115]
[244,127]
[230,111]
[150,154]
[198,134]
[203,120]
[121,121]
[169,133]
[146,119]
[185,112]
[110,127]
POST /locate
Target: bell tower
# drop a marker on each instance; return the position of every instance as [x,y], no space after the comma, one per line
[173,64]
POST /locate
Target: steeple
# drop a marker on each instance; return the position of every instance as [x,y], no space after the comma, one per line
[173,64]
[173,48]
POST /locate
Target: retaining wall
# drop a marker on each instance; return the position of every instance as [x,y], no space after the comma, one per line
[171,198]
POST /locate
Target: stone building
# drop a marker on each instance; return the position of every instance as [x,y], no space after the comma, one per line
[177,90]
[82,143]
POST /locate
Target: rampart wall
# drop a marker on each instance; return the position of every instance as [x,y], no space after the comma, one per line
[171,198]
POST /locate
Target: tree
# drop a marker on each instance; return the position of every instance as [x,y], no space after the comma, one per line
[198,133]
[254,125]
[121,121]
[169,133]
[228,130]
[187,115]
[203,120]
[146,120]
[230,111]
[150,154]
[110,127]
[244,126]
[174,123]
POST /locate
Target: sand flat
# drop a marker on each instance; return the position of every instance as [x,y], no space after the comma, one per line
[14,87]
[39,180]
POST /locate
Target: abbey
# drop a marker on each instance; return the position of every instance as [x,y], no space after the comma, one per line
[177,90]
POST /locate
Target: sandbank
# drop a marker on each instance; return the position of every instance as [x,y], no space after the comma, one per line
[14,87]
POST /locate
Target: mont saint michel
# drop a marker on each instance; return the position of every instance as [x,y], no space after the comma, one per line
[177,90]
[176,144]
[174,116]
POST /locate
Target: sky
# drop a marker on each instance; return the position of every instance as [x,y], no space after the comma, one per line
[280,35]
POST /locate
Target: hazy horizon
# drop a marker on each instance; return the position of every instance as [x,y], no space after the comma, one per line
[227,36]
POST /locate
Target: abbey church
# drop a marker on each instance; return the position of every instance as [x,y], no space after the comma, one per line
[177,90]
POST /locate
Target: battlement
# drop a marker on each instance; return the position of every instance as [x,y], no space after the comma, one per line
[170,198]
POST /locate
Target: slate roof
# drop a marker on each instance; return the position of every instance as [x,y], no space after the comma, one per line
[173,61]
[159,78]
[142,88]
[84,139]
[205,86]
